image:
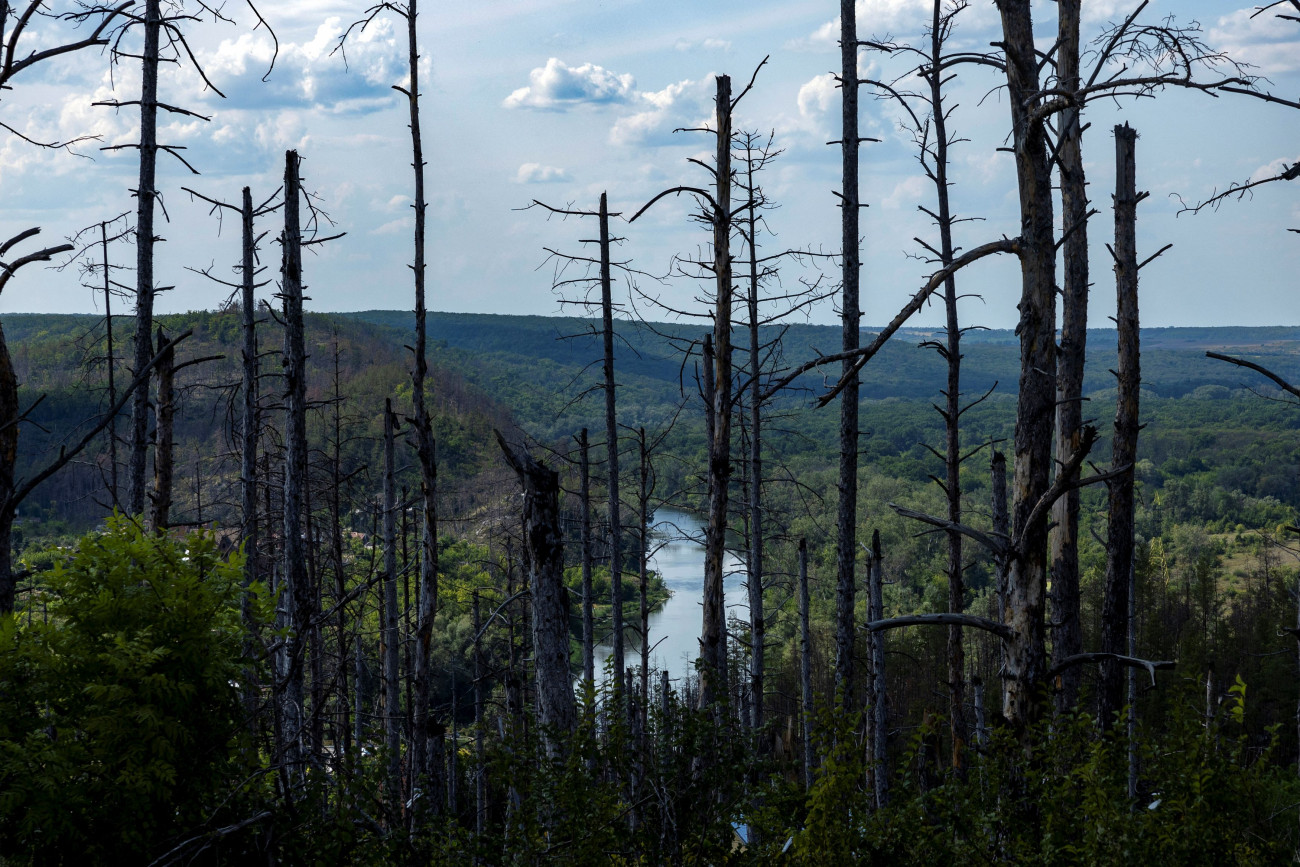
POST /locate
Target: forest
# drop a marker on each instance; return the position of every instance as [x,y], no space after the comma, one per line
[290,585]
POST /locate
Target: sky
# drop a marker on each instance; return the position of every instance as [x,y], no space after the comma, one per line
[559,100]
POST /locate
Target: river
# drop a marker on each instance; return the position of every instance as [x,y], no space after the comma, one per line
[678,556]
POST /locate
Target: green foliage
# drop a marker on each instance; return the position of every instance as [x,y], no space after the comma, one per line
[120,721]
[1058,795]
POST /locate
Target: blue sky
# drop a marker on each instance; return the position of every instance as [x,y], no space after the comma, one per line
[560,99]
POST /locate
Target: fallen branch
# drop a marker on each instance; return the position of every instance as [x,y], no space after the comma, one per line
[1150,665]
[1001,630]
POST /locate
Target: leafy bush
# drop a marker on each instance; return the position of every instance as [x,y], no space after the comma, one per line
[120,719]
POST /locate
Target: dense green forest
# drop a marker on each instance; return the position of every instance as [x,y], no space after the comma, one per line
[1217,483]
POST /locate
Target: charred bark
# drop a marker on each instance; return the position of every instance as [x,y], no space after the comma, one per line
[543,540]
[1067,635]
[713,637]
[1025,659]
[805,668]
[1119,525]
[164,440]
[297,590]
[588,619]
[391,638]
[847,513]
[145,192]
[611,453]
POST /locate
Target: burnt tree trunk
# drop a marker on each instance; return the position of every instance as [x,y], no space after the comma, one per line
[427,737]
[146,192]
[611,454]
[297,591]
[110,364]
[952,411]
[9,413]
[343,729]
[391,636]
[643,563]
[1002,528]
[757,622]
[1119,524]
[1025,660]
[588,619]
[544,547]
[164,440]
[249,429]
[847,515]
[878,724]
[1067,636]
[805,668]
[713,637]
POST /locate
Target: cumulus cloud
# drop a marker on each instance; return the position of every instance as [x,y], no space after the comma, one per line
[817,96]
[355,79]
[684,104]
[536,173]
[908,192]
[1272,170]
[897,18]
[1263,40]
[558,87]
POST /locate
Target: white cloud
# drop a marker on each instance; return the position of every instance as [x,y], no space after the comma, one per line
[907,193]
[818,95]
[1265,41]
[1273,169]
[897,19]
[356,78]
[536,173]
[684,104]
[558,86]
[709,44]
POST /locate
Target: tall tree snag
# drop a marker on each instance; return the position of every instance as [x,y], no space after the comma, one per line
[1119,524]
[713,636]
[846,521]
[544,546]
[144,226]
[1067,635]
[296,596]
[1036,401]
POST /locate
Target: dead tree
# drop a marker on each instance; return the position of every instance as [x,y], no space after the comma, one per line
[928,125]
[846,521]
[23,45]
[164,418]
[765,309]
[12,489]
[97,275]
[878,690]
[717,213]
[556,713]
[604,266]
[296,594]
[391,637]
[164,39]
[250,422]
[805,668]
[427,739]
[1119,523]
[1067,636]
[588,620]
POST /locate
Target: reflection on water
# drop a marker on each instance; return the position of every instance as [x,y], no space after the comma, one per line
[678,556]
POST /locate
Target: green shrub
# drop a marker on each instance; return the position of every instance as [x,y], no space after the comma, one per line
[120,719]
